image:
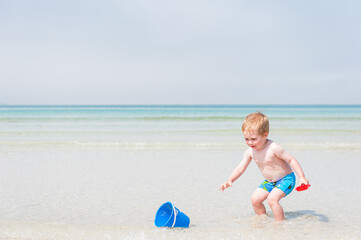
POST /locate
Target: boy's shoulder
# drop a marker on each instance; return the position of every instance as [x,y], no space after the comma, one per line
[275,146]
[248,151]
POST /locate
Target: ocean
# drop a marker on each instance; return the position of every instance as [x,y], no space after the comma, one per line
[101,172]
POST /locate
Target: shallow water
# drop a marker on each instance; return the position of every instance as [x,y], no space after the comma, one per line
[92,180]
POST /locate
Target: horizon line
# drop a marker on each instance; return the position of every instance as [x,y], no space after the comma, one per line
[185,104]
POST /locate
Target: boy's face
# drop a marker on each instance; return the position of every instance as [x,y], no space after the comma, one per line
[255,140]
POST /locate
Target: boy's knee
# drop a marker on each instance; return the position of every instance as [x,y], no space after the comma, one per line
[256,199]
[272,200]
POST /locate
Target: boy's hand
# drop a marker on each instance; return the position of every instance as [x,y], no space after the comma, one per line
[303,180]
[225,185]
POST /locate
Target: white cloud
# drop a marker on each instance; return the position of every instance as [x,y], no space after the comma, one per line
[178,52]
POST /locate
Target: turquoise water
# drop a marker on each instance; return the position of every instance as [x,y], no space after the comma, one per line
[211,127]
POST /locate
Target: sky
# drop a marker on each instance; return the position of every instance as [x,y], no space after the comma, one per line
[180,52]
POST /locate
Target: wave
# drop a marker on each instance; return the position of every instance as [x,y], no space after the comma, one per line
[162,146]
[173,118]
[186,106]
[104,132]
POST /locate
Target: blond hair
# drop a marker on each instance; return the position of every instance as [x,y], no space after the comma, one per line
[257,122]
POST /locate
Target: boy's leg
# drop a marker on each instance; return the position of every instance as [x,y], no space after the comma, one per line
[273,200]
[258,196]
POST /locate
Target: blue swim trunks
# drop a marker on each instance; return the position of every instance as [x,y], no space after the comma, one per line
[286,184]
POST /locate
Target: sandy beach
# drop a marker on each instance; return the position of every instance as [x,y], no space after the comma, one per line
[80,174]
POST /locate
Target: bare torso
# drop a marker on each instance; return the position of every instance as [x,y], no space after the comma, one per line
[272,167]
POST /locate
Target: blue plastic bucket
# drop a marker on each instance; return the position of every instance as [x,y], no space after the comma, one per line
[170,216]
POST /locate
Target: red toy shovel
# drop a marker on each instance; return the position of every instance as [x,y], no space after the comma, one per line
[303,187]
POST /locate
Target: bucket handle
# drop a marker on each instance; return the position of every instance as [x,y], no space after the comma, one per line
[175,215]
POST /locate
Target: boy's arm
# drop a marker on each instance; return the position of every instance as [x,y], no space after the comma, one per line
[284,155]
[238,171]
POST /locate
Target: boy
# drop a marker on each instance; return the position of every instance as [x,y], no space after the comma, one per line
[273,161]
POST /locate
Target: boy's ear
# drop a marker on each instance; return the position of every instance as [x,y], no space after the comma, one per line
[266,134]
